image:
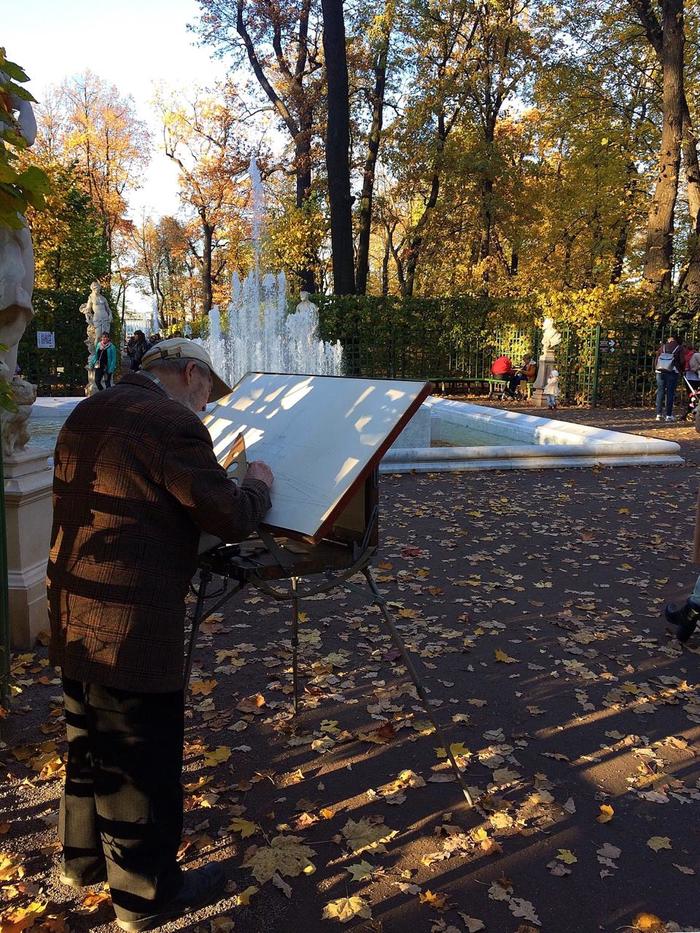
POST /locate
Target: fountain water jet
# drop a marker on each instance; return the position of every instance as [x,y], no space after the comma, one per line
[261,336]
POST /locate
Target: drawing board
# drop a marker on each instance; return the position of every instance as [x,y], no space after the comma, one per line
[320,435]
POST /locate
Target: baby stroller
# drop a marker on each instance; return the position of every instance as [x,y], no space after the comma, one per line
[690,406]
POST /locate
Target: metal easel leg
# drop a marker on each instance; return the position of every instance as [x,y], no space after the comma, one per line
[204,581]
[413,674]
[295,641]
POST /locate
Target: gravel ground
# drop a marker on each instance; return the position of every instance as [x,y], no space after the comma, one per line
[532,605]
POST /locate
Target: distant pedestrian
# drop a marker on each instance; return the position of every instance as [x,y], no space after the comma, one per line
[551,389]
[154,339]
[668,366]
[104,362]
[136,348]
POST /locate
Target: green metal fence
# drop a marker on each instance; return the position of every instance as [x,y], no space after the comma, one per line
[452,340]
[442,339]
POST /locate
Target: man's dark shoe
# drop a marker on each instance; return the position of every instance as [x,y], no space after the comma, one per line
[685,618]
[95,876]
[201,886]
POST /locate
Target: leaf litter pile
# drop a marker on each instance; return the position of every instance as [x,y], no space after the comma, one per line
[531,604]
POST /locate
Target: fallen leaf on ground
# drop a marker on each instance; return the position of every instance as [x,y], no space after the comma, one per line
[244,827]
[280,883]
[217,755]
[346,908]
[438,901]
[243,899]
[286,855]
[472,924]
[503,657]
[606,813]
[458,749]
[360,871]
[648,923]
[659,842]
[362,836]
[251,704]
[202,687]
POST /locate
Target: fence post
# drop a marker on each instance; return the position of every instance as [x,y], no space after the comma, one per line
[4,601]
[596,366]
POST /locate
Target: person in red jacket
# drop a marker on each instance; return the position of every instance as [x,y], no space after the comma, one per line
[502,368]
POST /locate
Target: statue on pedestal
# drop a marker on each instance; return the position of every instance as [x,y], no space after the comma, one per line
[98,318]
[16,286]
[551,338]
[302,333]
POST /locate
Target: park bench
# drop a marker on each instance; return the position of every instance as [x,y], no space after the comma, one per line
[490,385]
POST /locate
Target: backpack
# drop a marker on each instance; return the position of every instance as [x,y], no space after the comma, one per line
[666,362]
[501,366]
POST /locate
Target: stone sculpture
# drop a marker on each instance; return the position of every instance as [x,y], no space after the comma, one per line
[15,431]
[16,286]
[98,318]
[551,337]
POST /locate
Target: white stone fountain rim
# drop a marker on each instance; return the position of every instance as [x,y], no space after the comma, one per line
[544,442]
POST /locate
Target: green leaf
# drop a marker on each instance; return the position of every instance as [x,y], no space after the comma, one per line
[12,69]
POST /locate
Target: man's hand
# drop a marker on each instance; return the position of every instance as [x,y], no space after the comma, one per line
[259,470]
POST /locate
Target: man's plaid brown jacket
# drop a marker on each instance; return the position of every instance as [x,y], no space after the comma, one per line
[135,481]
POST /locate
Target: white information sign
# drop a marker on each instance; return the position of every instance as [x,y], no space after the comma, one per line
[45,340]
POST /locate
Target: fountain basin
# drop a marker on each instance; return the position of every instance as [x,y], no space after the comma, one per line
[471,437]
[518,442]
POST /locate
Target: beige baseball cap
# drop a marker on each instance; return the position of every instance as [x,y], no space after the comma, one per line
[183,349]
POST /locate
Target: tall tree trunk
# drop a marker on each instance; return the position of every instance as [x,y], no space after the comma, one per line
[299,124]
[658,256]
[415,244]
[373,142]
[690,278]
[207,249]
[338,147]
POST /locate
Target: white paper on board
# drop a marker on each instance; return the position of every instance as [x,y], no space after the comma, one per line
[317,433]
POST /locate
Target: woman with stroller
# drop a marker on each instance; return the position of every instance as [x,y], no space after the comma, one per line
[691,377]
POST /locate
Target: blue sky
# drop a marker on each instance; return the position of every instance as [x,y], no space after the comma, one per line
[134,44]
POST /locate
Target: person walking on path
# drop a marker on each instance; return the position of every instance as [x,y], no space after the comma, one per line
[668,366]
[104,362]
[137,346]
[135,483]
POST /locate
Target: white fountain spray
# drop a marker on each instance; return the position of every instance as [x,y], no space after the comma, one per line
[261,336]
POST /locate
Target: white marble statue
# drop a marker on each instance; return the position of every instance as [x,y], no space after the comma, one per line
[16,286]
[551,337]
[15,432]
[97,312]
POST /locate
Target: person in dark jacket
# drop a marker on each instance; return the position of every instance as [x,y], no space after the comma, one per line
[135,483]
[137,346]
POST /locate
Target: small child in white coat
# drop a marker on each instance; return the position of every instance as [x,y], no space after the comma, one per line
[551,389]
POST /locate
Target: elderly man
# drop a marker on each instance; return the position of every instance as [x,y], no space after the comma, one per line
[135,482]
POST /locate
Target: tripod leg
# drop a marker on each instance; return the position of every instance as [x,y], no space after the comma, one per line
[204,581]
[295,642]
[413,674]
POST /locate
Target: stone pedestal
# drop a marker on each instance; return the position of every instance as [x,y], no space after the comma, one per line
[544,368]
[28,507]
